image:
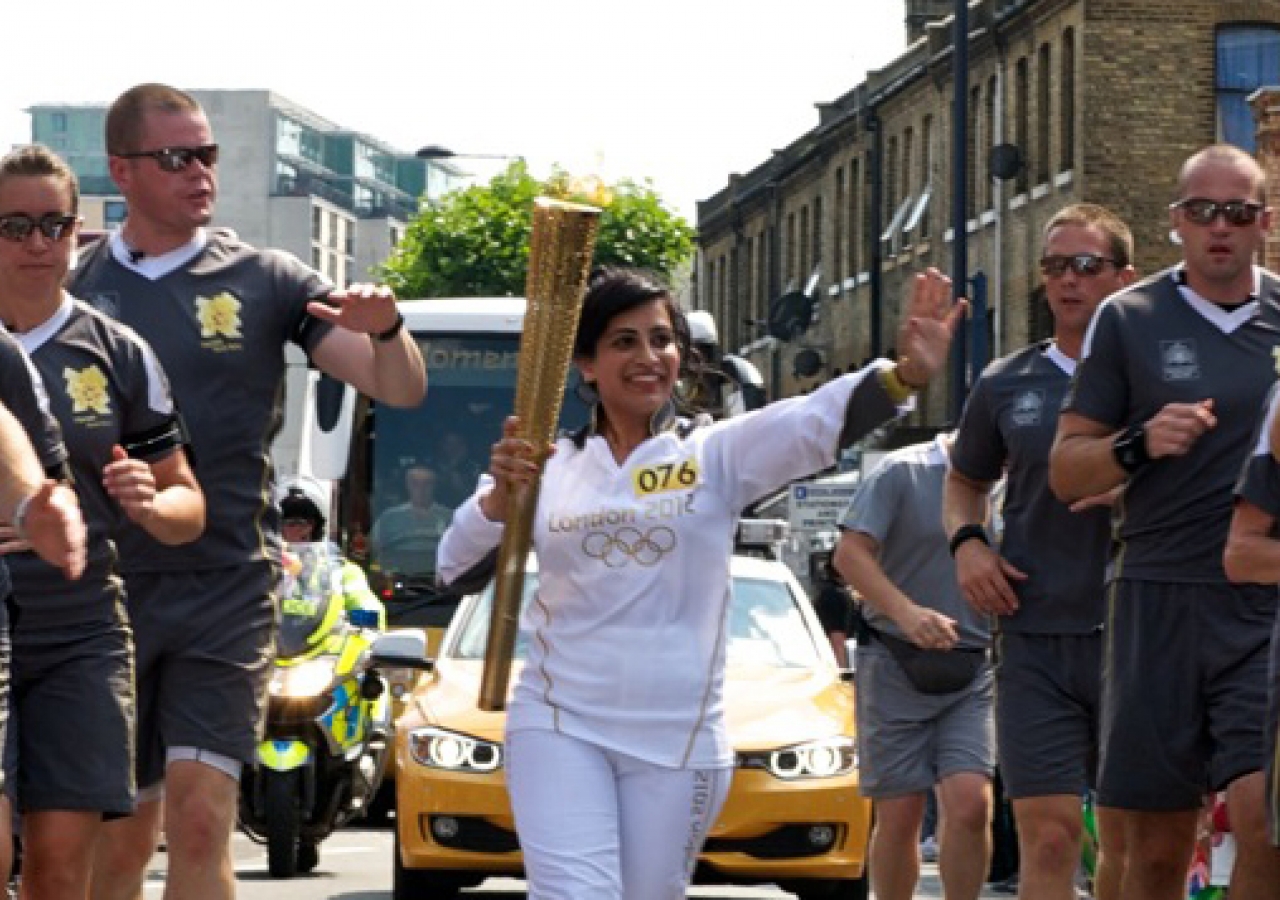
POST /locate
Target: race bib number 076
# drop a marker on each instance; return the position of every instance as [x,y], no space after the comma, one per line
[665,477]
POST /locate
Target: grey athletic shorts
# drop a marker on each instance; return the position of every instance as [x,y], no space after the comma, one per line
[205,640]
[1184,700]
[909,741]
[1048,692]
[70,744]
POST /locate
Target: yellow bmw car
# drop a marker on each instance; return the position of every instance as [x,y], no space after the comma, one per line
[793,816]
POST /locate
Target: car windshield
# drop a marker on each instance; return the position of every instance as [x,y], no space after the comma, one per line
[766,626]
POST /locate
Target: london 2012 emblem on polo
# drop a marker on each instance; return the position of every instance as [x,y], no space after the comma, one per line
[1179,359]
[1027,407]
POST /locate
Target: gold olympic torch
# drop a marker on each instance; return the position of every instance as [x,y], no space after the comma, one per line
[564,235]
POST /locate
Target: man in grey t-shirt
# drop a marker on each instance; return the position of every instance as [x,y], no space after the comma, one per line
[1044,581]
[924,687]
[1165,400]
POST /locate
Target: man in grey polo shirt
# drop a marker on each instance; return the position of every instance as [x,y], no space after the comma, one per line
[924,687]
[1165,398]
[1045,580]
[218,314]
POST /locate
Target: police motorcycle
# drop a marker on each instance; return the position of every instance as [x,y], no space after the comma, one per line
[328,722]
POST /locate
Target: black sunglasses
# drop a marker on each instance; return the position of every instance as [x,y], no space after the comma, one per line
[1202,212]
[55,226]
[176,159]
[1083,264]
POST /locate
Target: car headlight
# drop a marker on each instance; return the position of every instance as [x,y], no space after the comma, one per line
[455,752]
[308,679]
[826,758]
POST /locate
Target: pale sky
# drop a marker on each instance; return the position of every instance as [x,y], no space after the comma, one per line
[683,92]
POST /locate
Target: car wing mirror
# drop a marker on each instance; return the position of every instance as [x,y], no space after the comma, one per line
[404,648]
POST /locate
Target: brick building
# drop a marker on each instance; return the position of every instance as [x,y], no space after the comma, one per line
[1102,99]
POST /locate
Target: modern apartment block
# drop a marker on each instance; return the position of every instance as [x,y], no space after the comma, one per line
[288,178]
[1086,101]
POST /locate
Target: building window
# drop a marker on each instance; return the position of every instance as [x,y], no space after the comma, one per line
[817,231]
[791,247]
[749,287]
[762,273]
[1067,112]
[317,224]
[926,168]
[1248,57]
[1022,119]
[59,121]
[890,178]
[993,138]
[1042,116]
[837,233]
[856,226]
[805,246]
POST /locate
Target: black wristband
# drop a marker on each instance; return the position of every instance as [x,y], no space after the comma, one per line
[1130,448]
[970,532]
[383,337]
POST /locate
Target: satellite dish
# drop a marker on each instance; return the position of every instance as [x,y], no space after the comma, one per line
[1005,161]
[790,315]
[807,363]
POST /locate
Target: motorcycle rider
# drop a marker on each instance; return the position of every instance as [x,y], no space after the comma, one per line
[302,520]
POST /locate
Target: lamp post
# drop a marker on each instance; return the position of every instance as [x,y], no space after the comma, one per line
[959,199]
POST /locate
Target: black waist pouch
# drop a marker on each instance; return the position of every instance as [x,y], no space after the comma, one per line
[934,671]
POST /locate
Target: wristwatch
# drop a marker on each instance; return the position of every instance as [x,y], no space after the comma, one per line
[970,532]
[383,337]
[1130,448]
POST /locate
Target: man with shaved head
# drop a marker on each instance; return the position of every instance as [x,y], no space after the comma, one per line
[1165,401]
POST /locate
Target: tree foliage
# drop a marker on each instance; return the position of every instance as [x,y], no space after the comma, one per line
[474,242]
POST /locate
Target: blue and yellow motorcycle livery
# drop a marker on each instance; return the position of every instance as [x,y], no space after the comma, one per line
[328,722]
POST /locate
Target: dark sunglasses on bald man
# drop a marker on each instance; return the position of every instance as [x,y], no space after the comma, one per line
[1084,264]
[1200,211]
[177,159]
[17,226]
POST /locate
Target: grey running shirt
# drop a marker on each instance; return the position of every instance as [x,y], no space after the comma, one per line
[105,387]
[219,325]
[900,505]
[1010,419]
[1149,346]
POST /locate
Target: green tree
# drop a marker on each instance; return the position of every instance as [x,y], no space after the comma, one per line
[475,242]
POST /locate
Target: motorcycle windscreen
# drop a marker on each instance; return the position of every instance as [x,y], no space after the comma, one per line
[310,598]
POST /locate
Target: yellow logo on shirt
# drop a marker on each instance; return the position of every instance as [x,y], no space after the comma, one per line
[1275,358]
[219,316]
[665,477]
[87,390]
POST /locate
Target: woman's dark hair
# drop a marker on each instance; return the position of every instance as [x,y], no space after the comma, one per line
[614,290]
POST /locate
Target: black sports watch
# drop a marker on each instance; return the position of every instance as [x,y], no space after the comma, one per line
[970,532]
[1130,447]
[383,337]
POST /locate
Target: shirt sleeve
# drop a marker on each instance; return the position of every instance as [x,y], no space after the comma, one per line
[758,452]
[979,450]
[296,286]
[1259,481]
[1100,391]
[469,539]
[151,430]
[22,391]
[875,503]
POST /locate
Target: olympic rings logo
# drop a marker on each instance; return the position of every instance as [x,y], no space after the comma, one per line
[626,544]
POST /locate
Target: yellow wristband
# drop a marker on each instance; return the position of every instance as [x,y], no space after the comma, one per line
[894,386]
